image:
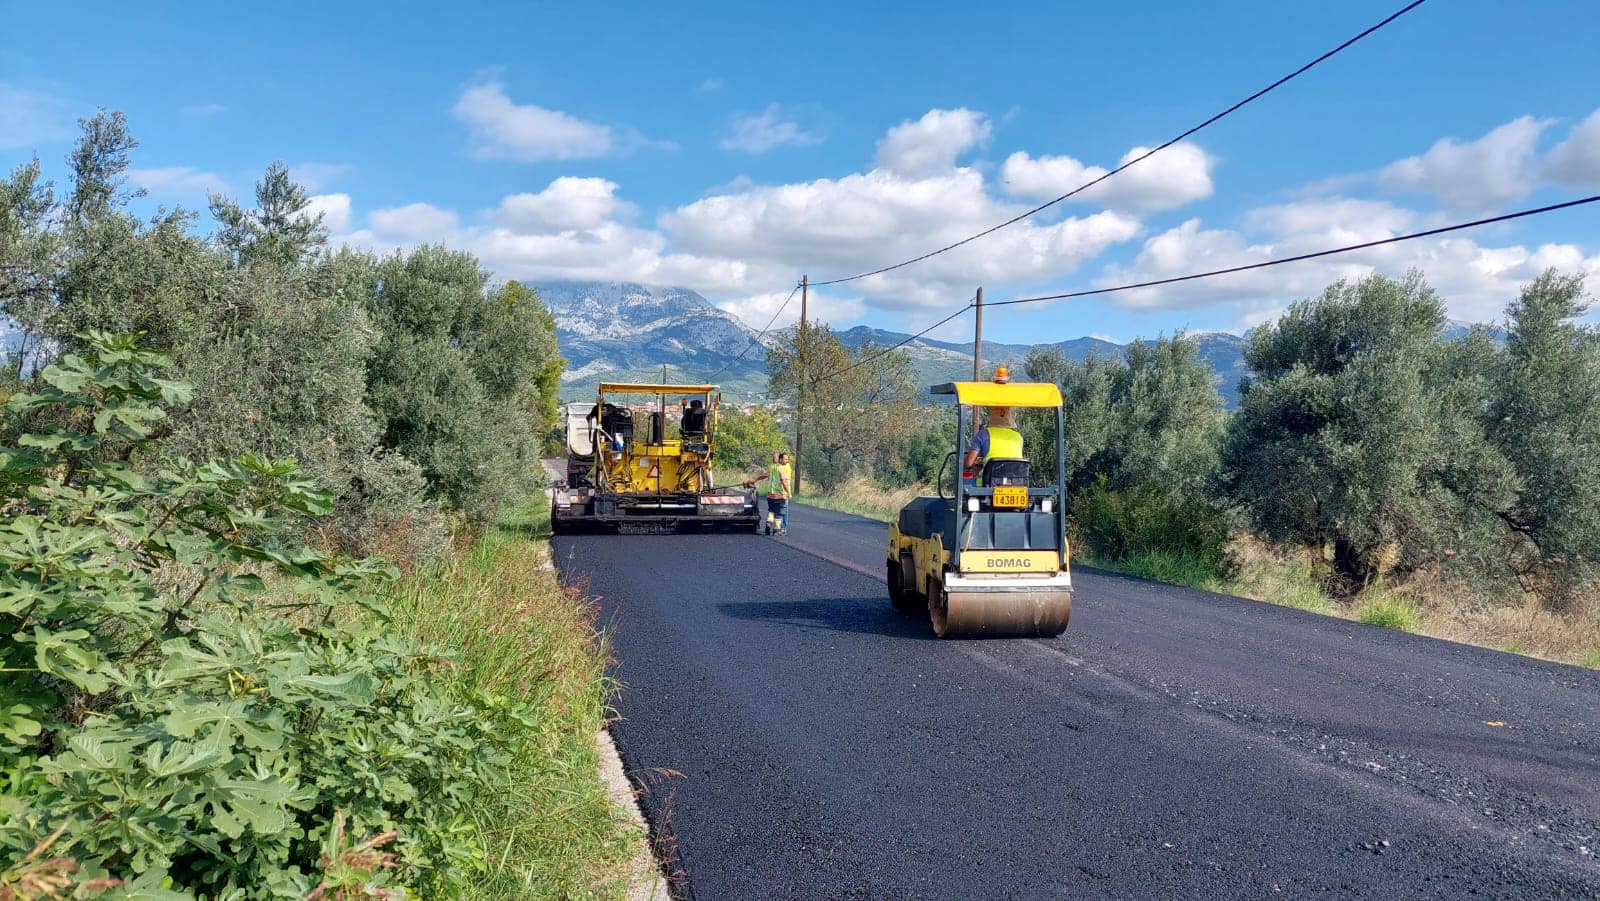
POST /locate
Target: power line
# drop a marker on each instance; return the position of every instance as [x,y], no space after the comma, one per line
[759,335]
[1142,157]
[883,352]
[1304,256]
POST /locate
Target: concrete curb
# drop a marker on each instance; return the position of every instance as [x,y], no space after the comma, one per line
[646,881]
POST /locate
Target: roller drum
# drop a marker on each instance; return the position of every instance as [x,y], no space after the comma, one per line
[1000,610]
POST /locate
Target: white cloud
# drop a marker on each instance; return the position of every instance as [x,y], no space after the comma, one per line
[740,245]
[179,182]
[415,223]
[30,118]
[711,84]
[757,310]
[857,222]
[932,144]
[1475,281]
[505,130]
[767,130]
[1575,162]
[1175,176]
[1478,175]
[335,210]
[566,204]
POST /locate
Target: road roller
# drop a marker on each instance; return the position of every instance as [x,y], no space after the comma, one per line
[987,557]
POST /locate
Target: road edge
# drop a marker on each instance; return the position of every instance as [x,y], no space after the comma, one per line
[646,881]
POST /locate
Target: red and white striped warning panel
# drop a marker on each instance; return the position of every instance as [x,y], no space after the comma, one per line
[722,499]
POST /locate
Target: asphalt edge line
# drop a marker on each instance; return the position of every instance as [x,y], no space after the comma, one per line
[646,881]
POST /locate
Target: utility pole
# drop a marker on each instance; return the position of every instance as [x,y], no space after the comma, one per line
[977,352]
[800,384]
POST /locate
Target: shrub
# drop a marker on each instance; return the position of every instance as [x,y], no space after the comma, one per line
[191,702]
[1390,612]
[1145,521]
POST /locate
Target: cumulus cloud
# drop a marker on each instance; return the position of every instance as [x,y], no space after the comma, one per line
[1575,162]
[1474,280]
[932,143]
[179,182]
[415,223]
[1477,175]
[759,309]
[30,118]
[1177,175]
[764,131]
[740,244]
[567,203]
[505,130]
[335,210]
[859,221]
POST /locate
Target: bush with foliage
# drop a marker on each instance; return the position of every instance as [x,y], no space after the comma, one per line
[747,441]
[190,705]
[1122,525]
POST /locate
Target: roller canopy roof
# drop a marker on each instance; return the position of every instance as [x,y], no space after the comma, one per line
[994,394]
[642,388]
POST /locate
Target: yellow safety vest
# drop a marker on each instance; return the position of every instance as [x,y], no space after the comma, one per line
[1004,443]
[779,479]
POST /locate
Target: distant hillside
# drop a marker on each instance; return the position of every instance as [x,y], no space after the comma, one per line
[625,332]
[941,361]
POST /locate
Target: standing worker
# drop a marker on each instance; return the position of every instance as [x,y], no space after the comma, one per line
[777,483]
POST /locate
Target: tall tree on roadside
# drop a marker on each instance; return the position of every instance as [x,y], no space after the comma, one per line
[1545,419]
[280,230]
[460,375]
[1336,439]
[1152,418]
[860,402]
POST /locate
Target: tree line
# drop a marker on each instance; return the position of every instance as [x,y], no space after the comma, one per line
[409,384]
[1364,434]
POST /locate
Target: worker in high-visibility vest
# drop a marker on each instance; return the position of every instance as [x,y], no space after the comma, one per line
[777,482]
[998,438]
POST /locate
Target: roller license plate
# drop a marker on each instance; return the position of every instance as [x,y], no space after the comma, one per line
[1011,497]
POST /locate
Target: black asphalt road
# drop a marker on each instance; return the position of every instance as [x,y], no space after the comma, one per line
[796,738]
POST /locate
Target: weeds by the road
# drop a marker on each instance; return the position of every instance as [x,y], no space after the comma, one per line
[864,497]
[519,634]
[1388,611]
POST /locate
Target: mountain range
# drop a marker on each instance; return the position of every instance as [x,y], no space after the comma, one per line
[617,331]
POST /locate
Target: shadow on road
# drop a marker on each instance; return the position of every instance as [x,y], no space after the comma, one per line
[865,615]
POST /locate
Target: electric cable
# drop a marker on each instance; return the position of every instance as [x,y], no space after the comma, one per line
[1142,157]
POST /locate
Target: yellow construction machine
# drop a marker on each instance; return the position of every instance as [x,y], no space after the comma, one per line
[989,559]
[632,466]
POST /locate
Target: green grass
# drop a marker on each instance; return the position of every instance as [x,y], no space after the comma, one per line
[1177,569]
[1592,659]
[553,832]
[1389,612]
[847,505]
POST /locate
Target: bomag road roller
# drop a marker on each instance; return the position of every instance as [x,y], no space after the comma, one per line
[632,467]
[990,558]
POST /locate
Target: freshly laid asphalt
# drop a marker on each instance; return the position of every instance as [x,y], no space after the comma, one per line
[794,737]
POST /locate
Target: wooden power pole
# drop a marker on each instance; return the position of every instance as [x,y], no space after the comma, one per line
[802,339]
[977,353]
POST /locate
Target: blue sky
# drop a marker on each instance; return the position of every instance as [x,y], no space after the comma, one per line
[731,147]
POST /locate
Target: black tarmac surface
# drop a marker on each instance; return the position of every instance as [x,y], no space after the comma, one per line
[794,737]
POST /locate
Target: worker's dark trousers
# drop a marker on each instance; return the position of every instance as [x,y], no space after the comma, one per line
[779,507]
